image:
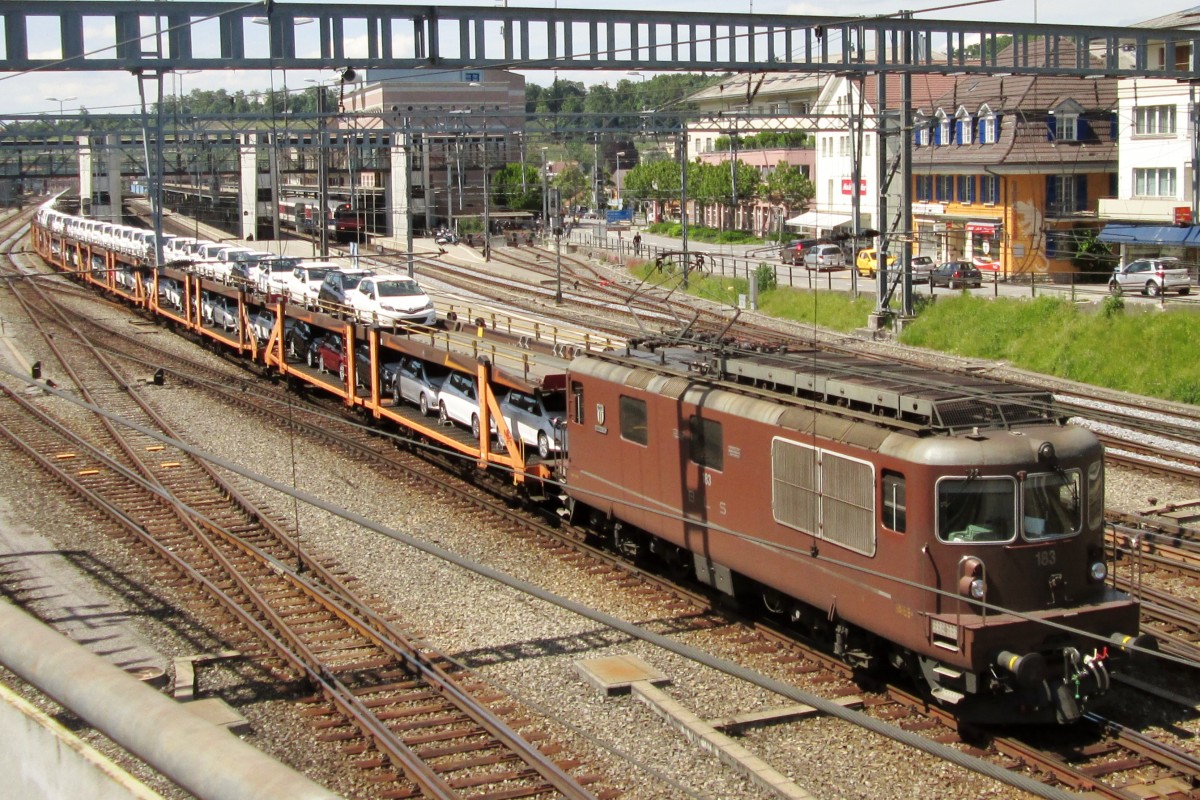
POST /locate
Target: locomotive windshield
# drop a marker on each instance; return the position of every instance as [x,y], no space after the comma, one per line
[1052,504]
[977,509]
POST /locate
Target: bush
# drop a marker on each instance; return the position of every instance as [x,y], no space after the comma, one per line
[1112,307]
[766,279]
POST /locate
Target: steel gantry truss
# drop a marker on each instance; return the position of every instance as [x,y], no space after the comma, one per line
[155,36]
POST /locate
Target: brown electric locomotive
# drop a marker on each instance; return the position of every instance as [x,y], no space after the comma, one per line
[951,526]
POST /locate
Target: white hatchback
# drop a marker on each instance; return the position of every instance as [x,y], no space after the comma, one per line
[389,300]
[304,282]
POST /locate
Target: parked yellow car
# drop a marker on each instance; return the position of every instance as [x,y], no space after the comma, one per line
[868,262]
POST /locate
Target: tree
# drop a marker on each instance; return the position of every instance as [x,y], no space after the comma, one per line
[787,186]
[571,183]
[507,191]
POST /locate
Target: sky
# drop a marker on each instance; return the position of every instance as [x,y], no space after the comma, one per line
[117,92]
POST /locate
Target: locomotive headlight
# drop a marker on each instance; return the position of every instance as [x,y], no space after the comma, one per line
[978,589]
[1098,571]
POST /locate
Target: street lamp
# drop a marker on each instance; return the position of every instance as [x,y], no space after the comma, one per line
[618,177]
[60,102]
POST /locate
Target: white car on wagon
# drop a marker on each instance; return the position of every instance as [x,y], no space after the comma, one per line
[391,299]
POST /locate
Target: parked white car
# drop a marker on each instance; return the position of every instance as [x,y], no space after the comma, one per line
[389,300]
[458,401]
[305,280]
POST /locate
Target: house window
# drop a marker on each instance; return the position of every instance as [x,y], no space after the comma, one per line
[962,129]
[945,188]
[1065,127]
[966,189]
[989,129]
[922,135]
[1154,120]
[1154,182]
[1066,194]
[943,131]
[924,188]
[989,189]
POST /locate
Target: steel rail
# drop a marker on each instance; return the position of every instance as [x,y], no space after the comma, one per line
[339,693]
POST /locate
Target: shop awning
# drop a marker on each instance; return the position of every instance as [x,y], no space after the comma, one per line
[822,220]
[1180,236]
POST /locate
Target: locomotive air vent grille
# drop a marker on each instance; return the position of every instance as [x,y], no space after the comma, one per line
[972,412]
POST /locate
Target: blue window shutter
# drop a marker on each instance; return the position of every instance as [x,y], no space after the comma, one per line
[1113,133]
[937,132]
[916,135]
[1051,128]
[958,131]
[1083,130]
[980,127]
[1051,187]
[1081,193]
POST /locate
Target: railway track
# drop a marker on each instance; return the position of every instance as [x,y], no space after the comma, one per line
[1111,795]
[412,718]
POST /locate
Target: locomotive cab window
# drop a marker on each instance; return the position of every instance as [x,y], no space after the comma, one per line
[977,509]
[706,443]
[895,510]
[1052,504]
[633,420]
[576,402]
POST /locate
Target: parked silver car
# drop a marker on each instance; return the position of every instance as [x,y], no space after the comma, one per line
[537,419]
[416,381]
[824,256]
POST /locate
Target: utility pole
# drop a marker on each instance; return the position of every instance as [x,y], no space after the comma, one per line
[322,176]
[683,219]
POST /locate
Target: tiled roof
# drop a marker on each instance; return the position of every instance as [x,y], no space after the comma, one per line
[1187,18]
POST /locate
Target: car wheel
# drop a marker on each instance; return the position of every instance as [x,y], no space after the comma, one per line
[442,416]
[952,285]
[543,445]
[1115,289]
[475,425]
[342,373]
[396,393]
[424,403]
[1152,289]
[310,358]
[321,367]
[1185,290]
[291,344]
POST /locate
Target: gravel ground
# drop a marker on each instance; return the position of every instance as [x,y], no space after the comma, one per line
[519,644]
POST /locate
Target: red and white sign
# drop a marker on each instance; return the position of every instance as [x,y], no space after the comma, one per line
[1183,215]
[982,228]
[848,186]
[986,262]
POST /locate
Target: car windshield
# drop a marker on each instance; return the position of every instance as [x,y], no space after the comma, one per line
[398,288]
[281,264]
[352,281]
